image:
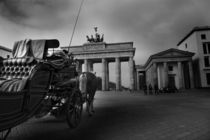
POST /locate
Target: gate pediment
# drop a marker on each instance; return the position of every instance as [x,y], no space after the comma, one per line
[173,53]
[169,55]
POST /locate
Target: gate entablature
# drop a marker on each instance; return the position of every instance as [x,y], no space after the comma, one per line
[96,51]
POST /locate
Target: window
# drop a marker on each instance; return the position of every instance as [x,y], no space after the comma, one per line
[185,45]
[206,61]
[204,48]
[170,68]
[208,78]
[208,48]
[203,36]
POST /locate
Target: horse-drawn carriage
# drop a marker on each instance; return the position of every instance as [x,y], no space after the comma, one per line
[34,83]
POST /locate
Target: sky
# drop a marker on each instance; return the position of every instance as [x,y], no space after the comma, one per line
[153,25]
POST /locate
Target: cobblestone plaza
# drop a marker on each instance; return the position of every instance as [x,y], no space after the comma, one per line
[131,116]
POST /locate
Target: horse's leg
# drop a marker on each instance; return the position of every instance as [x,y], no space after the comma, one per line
[91,106]
[86,101]
[91,102]
[88,105]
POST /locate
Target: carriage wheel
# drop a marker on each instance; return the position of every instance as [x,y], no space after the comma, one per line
[74,110]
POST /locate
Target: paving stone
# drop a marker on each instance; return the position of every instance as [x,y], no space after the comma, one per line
[130,116]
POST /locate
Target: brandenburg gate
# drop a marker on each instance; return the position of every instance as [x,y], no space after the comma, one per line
[97,51]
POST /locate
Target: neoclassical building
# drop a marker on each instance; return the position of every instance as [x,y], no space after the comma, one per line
[184,67]
[172,67]
[198,41]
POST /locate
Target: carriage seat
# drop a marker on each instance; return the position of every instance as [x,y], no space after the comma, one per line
[14,74]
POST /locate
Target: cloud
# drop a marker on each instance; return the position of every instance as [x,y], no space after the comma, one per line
[153,25]
[39,14]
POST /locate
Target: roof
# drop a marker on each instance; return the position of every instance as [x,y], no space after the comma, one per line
[161,54]
[6,49]
[195,29]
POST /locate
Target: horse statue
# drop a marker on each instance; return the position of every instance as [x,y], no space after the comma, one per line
[88,87]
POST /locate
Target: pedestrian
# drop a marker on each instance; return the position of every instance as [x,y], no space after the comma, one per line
[161,90]
[156,89]
[150,89]
[145,89]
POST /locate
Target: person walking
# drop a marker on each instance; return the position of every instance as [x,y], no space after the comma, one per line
[145,89]
[156,89]
[150,89]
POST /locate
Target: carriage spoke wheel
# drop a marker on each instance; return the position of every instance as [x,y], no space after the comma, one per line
[74,111]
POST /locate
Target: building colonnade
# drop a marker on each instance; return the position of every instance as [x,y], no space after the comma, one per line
[88,67]
[159,74]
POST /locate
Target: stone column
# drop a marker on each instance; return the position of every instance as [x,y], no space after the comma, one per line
[90,66]
[85,65]
[155,78]
[180,77]
[131,69]
[118,73]
[165,78]
[103,77]
[192,85]
[137,80]
[107,75]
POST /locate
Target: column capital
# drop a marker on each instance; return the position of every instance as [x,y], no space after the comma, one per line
[165,62]
[117,59]
[130,58]
[154,64]
[190,62]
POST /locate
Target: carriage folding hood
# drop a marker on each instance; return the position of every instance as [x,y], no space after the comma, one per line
[33,48]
